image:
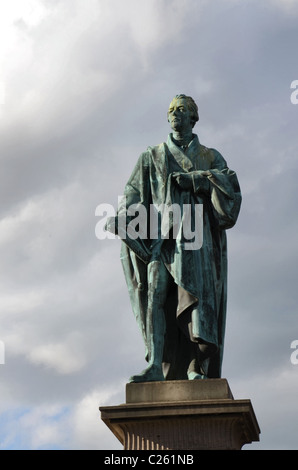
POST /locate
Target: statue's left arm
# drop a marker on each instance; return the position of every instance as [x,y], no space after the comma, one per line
[221,185]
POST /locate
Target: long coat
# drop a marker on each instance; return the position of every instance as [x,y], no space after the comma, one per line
[199,296]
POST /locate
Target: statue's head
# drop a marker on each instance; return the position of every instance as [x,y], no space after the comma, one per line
[187,102]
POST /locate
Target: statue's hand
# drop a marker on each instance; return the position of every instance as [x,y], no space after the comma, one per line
[201,182]
[111,225]
[183,180]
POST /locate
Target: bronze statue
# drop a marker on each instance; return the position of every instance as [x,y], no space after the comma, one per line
[178,288]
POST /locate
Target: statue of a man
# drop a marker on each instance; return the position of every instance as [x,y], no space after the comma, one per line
[178,290]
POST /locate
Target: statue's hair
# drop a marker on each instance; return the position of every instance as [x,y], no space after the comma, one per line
[193,108]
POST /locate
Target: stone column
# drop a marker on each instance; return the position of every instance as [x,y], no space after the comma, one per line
[182,415]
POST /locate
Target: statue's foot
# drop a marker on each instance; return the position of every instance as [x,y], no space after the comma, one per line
[151,374]
[192,372]
[196,376]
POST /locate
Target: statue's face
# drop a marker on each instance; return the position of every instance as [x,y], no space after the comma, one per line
[179,115]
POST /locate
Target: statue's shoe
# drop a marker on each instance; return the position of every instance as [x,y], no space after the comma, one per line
[151,374]
[196,376]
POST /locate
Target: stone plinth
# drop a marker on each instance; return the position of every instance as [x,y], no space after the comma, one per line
[182,415]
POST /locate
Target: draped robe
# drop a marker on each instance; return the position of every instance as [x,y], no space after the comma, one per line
[198,295]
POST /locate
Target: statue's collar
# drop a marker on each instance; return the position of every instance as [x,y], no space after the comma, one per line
[184,157]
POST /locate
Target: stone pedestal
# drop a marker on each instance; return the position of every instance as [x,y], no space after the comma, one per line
[182,415]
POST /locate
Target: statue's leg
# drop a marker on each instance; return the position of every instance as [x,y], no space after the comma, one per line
[199,351]
[198,367]
[158,282]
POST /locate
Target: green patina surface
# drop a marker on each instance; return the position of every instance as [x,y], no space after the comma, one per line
[179,295]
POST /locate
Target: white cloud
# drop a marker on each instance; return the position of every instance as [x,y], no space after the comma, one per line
[55,67]
[36,428]
[89,431]
[65,358]
[44,426]
[21,302]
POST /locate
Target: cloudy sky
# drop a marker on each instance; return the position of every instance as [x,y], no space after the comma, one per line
[84,88]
